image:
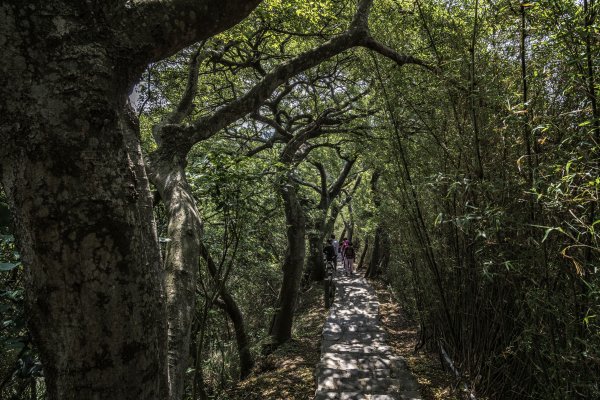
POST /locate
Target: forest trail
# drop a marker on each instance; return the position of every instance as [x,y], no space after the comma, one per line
[356,363]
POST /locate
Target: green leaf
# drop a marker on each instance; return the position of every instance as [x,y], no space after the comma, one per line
[554,228]
[8,266]
[438,219]
[588,318]
[568,166]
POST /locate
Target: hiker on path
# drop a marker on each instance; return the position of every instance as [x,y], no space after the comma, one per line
[349,259]
[329,252]
[345,243]
[342,250]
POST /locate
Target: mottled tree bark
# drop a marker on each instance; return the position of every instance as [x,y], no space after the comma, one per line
[82,210]
[74,176]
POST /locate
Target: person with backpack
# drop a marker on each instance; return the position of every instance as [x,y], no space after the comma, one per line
[329,252]
[343,246]
[349,255]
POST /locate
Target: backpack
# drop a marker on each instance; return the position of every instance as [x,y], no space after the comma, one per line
[329,252]
[349,252]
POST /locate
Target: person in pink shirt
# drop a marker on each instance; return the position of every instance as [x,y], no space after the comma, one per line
[349,255]
[345,244]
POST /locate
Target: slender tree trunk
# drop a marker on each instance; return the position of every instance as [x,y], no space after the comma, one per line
[377,255]
[386,250]
[527,134]
[363,255]
[350,229]
[235,314]
[473,96]
[198,385]
[241,337]
[590,17]
[524,87]
[330,224]
[33,392]
[343,234]
[281,330]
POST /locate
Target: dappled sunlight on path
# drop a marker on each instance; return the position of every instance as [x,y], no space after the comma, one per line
[356,363]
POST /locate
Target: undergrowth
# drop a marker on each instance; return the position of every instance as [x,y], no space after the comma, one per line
[288,372]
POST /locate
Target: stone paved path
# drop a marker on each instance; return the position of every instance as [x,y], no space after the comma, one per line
[356,363]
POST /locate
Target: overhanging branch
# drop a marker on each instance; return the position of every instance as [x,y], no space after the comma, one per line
[156,29]
[185,136]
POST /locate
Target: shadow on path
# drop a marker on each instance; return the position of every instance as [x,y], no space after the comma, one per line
[356,363]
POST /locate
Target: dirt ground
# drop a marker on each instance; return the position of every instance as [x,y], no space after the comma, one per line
[434,382]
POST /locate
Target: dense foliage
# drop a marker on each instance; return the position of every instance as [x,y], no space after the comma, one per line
[491,181]
[471,185]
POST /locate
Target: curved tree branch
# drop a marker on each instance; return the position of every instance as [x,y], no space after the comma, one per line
[183,137]
[401,59]
[336,187]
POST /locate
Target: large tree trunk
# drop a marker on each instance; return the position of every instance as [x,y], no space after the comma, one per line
[75,180]
[182,258]
[281,330]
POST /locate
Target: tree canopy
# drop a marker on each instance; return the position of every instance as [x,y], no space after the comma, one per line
[175,168]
